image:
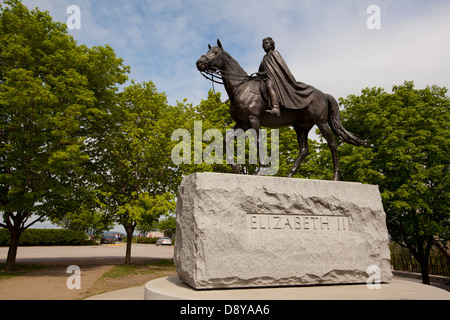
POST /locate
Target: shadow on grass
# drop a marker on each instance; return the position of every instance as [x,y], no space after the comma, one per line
[121,271]
[20,270]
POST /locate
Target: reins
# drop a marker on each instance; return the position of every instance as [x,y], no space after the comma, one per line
[213,75]
[218,75]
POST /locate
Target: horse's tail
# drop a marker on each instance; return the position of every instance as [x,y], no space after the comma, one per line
[334,120]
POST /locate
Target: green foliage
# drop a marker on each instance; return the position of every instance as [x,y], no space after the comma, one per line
[53,93]
[45,237]
[85,219]
[316,165]
[133,166]
[407,156]
[167,225]
[145,240]
[54,96]
[214,115]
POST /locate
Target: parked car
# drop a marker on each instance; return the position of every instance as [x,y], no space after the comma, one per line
[107,238]
[164,241]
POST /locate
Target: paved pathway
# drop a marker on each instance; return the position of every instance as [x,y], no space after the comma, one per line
[61,255]
[50,283]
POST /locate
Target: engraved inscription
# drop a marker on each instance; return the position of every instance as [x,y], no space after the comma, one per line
[297,222]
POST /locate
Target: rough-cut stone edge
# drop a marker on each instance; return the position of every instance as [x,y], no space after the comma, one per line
[201,181]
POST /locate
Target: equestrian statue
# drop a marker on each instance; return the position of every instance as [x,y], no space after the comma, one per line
[272,98]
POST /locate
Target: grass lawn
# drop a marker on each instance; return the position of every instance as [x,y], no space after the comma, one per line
[127,276]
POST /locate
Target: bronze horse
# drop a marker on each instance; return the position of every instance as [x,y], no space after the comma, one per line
[248,104]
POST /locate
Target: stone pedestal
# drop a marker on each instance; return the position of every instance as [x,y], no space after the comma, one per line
[171,288]
[238,231]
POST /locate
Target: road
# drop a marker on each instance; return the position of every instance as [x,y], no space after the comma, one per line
[101,254]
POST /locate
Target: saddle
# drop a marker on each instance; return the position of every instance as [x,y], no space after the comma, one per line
[259,87]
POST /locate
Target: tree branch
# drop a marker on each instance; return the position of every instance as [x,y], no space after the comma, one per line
[37,220]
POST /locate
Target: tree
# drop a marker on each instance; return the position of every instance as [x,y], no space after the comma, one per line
[407,156]
[214,114]
[133,164]
[85,219]
[53,93]
[168,225]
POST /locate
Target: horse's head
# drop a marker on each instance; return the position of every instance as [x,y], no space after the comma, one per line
[211,60]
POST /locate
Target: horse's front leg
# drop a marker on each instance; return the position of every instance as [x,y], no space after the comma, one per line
[255,123]
[229,149]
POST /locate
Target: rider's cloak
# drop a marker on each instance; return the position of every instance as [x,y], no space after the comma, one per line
[291,94]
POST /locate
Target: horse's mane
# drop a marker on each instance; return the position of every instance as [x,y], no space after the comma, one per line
[233,62]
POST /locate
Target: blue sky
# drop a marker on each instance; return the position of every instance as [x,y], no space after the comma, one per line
[325,43]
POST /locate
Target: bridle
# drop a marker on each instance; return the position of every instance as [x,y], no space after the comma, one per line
[219,73]
[210,74]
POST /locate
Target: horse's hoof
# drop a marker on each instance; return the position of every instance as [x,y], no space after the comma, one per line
[235,169]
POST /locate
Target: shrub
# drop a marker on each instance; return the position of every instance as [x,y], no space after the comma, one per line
[147,240]
[45,237]
[143,240]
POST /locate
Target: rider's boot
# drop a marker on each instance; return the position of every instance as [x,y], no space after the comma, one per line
[274,99]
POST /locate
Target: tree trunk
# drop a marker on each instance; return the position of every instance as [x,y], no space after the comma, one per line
[128,251]
[12,251]
[129,230]
[424,270]
[422,256]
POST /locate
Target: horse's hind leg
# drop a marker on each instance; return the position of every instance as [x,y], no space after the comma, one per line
[318,112]
[302,139]
[326,132]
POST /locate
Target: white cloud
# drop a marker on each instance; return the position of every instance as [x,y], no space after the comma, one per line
[343,59]
[325,43]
